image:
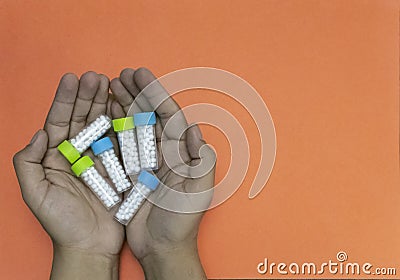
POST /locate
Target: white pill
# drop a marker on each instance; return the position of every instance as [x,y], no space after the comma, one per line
[136,197]
[100,187]
[91,133]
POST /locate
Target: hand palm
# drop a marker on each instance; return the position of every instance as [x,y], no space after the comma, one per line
[71,214]
[66,208]
[153,228]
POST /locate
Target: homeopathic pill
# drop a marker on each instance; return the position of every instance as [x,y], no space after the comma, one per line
[104,150]
[125,129]
[146,136]
[73,148]
[84,168]
[145,185]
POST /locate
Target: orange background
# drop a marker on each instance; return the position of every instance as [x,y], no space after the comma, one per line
[328,71]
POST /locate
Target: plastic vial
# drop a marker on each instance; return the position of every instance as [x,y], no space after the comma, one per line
[104,149]
[84,168]
[74,147]
[146,184]
[146,135]
[125,130]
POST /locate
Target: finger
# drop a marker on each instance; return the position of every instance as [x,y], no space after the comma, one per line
[161,102]
[59,116]
[159,130]
[111,99]
[110,133]
[123,96]
[117,111]
[203,156]
[126,78]
[99,105]
[29,170]
[194,141]
[88,85]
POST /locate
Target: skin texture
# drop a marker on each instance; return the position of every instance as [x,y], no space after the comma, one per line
[165,242]
[86,238]
[80,227]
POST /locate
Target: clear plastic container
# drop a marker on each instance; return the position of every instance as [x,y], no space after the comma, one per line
[146,136]
[126,134]
[145,185]
[84,168]
[73,148]
[104,149]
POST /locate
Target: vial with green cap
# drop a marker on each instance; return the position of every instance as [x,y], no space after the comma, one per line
[84,168]
[146,136]
[125,129]
[71,149]
[145,185]
[104,149]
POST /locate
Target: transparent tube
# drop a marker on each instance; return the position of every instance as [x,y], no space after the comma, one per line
[132,203]
[91,133]
[115,171]
[105,193]
[129,151]
[146,136]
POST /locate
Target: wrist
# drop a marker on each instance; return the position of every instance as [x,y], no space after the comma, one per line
[178,262]
[74,263]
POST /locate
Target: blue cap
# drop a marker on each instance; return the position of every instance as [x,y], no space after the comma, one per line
[147,118]
[102,145]
[149,180]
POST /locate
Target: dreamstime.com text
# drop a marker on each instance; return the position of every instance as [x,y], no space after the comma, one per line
[338,267]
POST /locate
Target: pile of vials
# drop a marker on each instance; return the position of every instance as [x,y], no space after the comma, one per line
[138,147]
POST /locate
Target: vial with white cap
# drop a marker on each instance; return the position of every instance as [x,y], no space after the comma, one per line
[125,129]
[84,168]
[71,149]
[146,135]
[146,183]
[104,149]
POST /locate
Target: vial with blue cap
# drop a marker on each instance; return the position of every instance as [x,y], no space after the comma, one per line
[146,136]
[125,129]
[145,185]
[84,168]
[104,150]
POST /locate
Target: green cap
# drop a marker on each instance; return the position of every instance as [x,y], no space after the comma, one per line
[68,151]
[123,124]
[81,165]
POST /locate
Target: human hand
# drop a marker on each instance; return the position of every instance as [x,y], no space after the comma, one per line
[165,242]
[86,238]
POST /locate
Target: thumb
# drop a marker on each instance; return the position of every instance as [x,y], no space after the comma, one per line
[194,141]
[29,170]
[203,156]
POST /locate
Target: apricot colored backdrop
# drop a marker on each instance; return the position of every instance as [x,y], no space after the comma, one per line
[328,71]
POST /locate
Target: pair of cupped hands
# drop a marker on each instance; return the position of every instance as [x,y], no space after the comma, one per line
[87,240]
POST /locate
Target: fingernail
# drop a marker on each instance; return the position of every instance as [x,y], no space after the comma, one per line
[34,137]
